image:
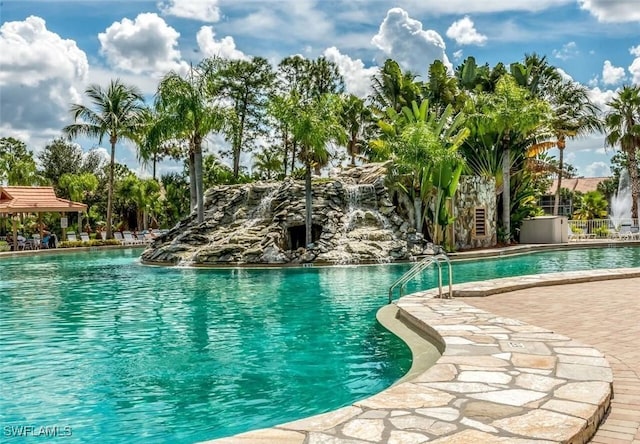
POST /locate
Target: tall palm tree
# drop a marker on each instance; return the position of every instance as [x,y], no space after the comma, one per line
[509,116]
[268,163]
[117,113]
[622,124]
[393,88]
[535,74]
[573,115]
[151,146]
[187,102]
[314,125]
[355,118]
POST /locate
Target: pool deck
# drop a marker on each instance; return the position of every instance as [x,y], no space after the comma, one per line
[525,364]
[571,310]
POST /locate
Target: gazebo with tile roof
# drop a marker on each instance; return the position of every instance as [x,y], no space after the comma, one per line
[16,200]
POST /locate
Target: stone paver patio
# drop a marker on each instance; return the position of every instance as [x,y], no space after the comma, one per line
[603,314]
[500,380]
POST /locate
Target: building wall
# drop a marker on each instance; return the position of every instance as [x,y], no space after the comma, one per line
[475,200]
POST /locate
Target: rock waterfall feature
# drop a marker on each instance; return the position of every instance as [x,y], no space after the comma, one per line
[354,221]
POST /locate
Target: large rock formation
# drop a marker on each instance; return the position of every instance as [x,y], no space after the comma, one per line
[354,221]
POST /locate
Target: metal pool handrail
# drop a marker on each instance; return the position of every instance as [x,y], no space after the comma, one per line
[418,268]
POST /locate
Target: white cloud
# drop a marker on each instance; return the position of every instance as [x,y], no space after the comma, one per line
[458,54]
[402,38]
[357,78]
[146,83]
[600,98]
[597,169]
[299,22]
[612,10]
[564,75]
[611,75]
[481,6]
[464,33]
[41,74]
[203,10]
[145,45]
[634,68]
[101,151]
[224,48]
[568,51]
[590,157]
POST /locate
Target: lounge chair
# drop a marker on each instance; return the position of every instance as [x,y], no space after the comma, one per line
[36,242]
[630,232]
[118,236]
[71,236]
[84,237]
[142,238]
[627,232]
[129,239]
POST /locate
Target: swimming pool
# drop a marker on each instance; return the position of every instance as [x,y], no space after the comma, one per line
[118,351]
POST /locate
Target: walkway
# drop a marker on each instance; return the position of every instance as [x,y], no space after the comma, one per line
[605,315]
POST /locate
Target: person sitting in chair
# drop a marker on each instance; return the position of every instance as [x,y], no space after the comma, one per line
[45,239]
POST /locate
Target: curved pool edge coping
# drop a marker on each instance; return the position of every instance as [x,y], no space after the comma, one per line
[498,380]
[425,344]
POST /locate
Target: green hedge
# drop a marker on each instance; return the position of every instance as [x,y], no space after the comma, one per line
[91,243]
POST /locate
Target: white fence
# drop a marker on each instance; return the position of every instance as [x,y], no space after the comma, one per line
[605,228]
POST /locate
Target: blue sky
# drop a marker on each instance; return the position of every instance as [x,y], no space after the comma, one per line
[51,50]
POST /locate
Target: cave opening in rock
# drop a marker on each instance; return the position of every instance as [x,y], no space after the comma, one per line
[297,235]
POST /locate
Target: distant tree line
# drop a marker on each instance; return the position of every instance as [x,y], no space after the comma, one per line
[295,119]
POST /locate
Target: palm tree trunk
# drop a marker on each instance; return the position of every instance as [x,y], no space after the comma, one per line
[352,150]
[110,190]
[293,156]
[199,181]
[506,191]
[556,202]
[236,159]
[635,183]
[308,206]
[417,208]
[155,160]
[285,145]
[238,149]
[193,192]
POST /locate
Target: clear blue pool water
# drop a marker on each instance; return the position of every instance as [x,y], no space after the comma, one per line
[121,352]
